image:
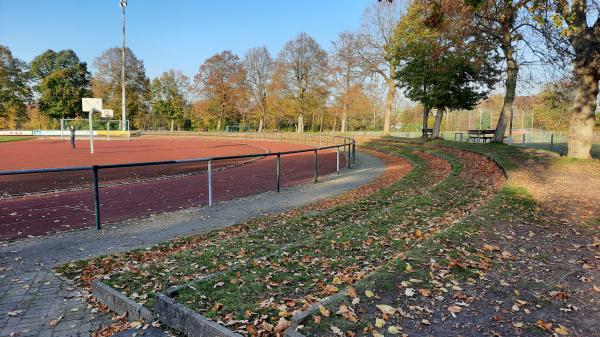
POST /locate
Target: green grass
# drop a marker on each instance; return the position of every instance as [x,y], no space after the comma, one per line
[13,138]
[295,260]
[340,249]
[286,235]
[510,204]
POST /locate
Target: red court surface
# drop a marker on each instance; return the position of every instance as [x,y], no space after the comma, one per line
[45,203]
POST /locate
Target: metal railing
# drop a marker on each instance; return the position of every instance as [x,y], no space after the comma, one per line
[347,144]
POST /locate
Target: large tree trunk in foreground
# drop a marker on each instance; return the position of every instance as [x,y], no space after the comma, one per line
[512,71]
[300,123]
[581,129]
[389,104]
[438,124]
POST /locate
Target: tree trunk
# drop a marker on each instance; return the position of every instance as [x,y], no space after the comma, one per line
[581,128]
[512,71]
[219,125]
[334,124]
[438,124]
[300,123]
[172,124]
[425,119]
[389,104]
[344,113]
[260,124]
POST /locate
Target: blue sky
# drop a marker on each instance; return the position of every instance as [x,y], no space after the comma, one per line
[167,34]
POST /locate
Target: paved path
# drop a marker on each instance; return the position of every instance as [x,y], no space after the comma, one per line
[32,295]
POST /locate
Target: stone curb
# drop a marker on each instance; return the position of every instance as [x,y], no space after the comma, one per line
[302,316]
[119,302]
[186,320]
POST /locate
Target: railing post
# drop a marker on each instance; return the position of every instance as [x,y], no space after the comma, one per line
[96,196]
[348,156]
[316,163]
[337,159]
[353,151]
[210,196]
[278,172]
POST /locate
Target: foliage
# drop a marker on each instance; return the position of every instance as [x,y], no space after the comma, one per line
[14,89]
[571,30]
[61,81]
[303,66]
[440,64]
[556,99]
[374,41]
[221,82]
[106,84]
[169,101]
[346,71]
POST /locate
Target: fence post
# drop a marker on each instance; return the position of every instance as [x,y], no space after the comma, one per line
[337,159]
[316,164]
[96,196]
[552,141]
[353,151]
[210,196]
[278,172]
[523,138]
[348,156]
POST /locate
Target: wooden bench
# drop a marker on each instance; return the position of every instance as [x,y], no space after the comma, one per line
[480,136]
[427,133]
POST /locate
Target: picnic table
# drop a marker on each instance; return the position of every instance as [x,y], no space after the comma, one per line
[481,136]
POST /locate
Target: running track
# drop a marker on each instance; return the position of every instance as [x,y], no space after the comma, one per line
[39,214]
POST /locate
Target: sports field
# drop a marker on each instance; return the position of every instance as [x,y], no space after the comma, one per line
[36,204]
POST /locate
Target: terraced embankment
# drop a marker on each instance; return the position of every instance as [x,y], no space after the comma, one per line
[275,267]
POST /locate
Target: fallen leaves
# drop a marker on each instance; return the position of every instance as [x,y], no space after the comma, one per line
[54,322]
[386,309]
[324,311]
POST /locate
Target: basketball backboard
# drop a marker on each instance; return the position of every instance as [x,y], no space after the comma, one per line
[91,104]
[106,113]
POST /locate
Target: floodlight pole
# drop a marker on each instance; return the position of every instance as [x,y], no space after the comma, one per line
[123,4]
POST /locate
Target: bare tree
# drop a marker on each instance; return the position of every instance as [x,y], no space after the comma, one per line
[259,72]
[572,30]
[379,21]
[305,66]
[347,73]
